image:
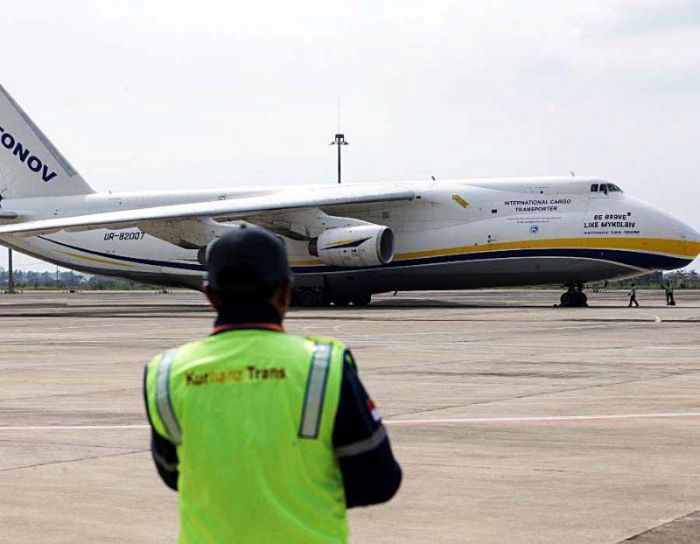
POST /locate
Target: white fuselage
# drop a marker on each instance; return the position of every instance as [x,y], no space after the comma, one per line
[456,234]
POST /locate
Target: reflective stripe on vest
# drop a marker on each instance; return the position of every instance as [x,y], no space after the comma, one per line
[315,391]
[163,402]
[362,446]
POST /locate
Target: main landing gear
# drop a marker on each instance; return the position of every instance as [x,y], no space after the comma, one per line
[317,297]
[574,297]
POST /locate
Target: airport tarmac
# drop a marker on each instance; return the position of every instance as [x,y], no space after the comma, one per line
[514,421]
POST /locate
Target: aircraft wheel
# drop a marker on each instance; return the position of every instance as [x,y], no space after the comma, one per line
[567,300]
[361,300]
[341,301]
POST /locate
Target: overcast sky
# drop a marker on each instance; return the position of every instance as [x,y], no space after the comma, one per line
[167,94]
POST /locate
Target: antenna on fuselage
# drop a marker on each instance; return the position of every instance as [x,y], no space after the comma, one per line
[573,175]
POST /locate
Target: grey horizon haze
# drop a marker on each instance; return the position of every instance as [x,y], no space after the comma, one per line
[162,95]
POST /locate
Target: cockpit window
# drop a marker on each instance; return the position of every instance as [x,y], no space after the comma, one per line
[605,188]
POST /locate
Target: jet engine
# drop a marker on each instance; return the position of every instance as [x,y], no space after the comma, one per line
[361,245]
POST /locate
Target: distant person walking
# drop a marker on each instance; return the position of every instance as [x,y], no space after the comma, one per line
[670,301]
[633,296]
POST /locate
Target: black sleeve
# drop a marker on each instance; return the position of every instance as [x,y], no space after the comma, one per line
[165,457]
[371,474]
[163,451]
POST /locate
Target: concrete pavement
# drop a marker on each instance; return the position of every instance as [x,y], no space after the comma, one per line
[514,421]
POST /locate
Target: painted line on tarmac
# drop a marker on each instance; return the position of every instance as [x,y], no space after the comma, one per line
[72,427]
[535,419]
[398,422]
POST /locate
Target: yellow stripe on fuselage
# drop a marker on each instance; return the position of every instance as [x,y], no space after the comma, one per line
[97,260]
[676,248]
[651,245]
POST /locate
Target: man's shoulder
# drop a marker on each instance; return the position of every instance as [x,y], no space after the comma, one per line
[191,350]
[325,340]
[339,349]
[181,350]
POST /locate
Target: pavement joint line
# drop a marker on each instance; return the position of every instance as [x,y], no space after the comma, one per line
[71,427]
[528,396]
[557,392]
[67,461]
[517,469]
[33,441]
[439,421]
[535,419]
[71,394]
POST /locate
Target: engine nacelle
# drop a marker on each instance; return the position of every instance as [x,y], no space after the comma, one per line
[361,245]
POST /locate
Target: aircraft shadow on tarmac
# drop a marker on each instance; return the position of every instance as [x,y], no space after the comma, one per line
[409,303]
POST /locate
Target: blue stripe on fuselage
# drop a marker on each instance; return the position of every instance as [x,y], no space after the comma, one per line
[647,261]
[150,262]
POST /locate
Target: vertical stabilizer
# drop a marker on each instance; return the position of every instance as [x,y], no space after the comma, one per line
[30,166]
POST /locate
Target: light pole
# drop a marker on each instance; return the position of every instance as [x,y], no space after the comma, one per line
[339,140]
[10,273]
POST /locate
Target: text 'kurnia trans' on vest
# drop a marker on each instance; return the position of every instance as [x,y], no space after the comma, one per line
[238,375]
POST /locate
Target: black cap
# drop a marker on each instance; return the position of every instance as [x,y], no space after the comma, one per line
[247,258]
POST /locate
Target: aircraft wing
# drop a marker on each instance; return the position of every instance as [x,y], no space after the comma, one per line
[222,210]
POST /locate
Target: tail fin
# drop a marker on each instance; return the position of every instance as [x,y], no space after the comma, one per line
[30,166]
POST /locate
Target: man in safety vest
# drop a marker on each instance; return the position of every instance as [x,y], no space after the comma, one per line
[267,437]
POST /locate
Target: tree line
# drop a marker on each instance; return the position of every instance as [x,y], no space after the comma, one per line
[67,279]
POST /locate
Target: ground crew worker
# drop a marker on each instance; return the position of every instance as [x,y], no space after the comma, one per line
[633,297]
[267,437]
[670,301]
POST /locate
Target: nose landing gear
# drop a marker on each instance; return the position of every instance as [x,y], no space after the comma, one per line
[574,297]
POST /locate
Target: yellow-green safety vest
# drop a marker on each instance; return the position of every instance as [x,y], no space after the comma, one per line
[252,415]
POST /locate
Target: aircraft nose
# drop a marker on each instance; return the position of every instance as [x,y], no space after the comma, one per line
[693,235]
[674,238]
[685,231]
[689,238]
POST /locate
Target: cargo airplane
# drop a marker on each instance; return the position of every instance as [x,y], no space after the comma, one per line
[346,242]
